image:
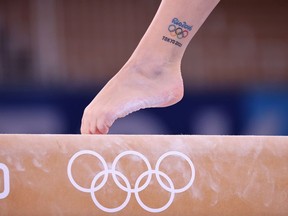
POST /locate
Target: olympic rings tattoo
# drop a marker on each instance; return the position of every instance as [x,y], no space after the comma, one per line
[127,187]
[177,31]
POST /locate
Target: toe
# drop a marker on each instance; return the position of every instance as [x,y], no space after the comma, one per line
[85,122]
[84,129]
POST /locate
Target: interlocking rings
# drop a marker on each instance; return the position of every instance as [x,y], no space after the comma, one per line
[127,187]
[177,31]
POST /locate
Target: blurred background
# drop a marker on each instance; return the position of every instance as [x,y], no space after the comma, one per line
[55,56]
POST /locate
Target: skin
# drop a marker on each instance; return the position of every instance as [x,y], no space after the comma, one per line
[152,75]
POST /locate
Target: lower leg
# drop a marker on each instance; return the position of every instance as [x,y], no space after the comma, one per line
[152,76]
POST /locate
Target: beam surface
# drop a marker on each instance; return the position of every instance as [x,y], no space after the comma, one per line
[143,175]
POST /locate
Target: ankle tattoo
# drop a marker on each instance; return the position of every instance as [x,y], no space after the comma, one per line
[177,30]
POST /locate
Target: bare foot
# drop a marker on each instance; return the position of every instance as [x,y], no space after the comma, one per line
[133,88]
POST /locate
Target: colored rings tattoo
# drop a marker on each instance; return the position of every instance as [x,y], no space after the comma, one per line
[177,31]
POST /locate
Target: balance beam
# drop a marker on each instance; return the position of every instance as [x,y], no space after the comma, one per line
[143,175]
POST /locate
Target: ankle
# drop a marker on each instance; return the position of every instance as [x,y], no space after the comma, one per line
[155,59]
[165,75]
[153,67]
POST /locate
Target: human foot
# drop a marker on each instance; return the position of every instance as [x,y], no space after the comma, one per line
[133,88]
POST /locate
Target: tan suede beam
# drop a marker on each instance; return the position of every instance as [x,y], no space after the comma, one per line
[143,175]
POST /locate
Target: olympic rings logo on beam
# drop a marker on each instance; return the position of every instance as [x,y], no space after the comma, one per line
[6,182]
[177,31]
[127,187]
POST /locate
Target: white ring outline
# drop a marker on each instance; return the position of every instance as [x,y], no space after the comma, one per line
[135,154]
[6,183]
[69,170]
[100,206]
[175,153]
[140,202]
